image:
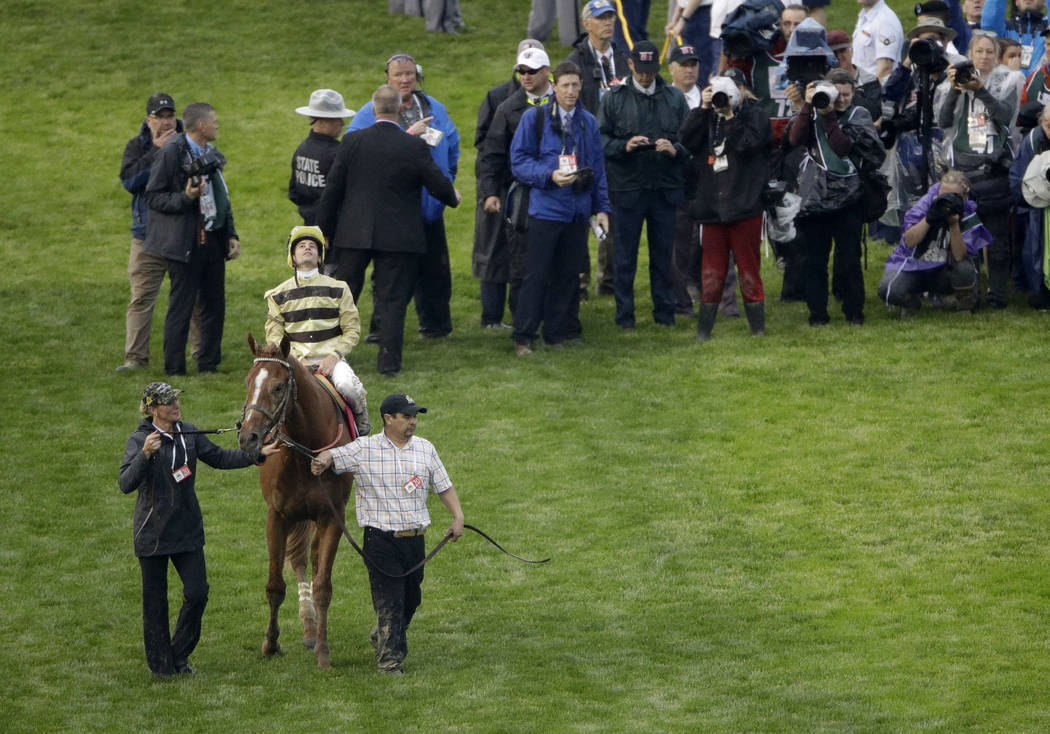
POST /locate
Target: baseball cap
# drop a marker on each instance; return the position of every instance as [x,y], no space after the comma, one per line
[398,402]
[158,102]
[598,8]
[838,39]
[646,57]
[159,393]
[683,53]
[533,58]
[932,7]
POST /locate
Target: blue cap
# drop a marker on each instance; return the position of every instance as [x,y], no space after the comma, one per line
[598,8]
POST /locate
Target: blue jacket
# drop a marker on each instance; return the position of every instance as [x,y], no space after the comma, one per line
[139,155]
[445,153]
[533,162]
[1024,29]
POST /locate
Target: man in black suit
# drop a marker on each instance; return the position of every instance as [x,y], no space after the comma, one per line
[371,213]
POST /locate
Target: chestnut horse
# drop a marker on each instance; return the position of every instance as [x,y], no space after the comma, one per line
[286,402]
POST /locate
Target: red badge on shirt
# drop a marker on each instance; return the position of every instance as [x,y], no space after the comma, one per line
[412,484]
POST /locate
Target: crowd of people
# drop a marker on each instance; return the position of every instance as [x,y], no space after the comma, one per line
[765,125]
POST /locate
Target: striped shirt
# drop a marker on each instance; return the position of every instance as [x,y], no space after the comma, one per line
[317,314]
[392,482]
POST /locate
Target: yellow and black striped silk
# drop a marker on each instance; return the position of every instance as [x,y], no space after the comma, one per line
[317,313]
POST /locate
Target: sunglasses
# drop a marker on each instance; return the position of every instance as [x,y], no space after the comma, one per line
[527,72]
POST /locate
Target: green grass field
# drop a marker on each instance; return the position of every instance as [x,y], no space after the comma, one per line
[830,530]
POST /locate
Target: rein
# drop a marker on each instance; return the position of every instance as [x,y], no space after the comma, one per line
[369,562]
[275,429]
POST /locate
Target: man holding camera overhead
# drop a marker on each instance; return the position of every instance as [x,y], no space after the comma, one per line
[942,236]
[190,225]
[639,122]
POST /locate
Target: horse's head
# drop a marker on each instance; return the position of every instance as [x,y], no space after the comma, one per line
[271,394]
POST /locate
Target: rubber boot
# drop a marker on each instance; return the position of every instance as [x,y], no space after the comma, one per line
[756,317]
[705,321]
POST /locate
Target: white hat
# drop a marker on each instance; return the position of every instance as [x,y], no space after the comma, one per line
[326,103]
[533,58]
[1034,187]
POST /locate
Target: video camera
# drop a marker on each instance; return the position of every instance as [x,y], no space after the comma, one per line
[805,69]
[751,28]
[928,55]
[205,164]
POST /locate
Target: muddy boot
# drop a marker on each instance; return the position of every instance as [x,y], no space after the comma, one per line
[705,321]
[756,317]
[359,408]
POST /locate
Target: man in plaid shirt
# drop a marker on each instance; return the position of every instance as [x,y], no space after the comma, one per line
[392,472]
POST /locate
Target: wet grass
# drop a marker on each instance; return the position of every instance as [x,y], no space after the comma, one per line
[823,531]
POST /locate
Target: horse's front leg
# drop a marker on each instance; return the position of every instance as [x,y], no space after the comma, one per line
[328,534]
[275,542]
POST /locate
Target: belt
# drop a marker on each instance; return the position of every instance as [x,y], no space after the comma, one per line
[409,533]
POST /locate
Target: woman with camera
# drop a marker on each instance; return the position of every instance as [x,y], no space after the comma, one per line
[976,123]
[830,188]
[729,136]
[942,236]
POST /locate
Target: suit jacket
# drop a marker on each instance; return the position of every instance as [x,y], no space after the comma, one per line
[373,196]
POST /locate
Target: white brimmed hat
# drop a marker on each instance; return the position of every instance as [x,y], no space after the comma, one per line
[533,58]
[326,103]
[1034,187]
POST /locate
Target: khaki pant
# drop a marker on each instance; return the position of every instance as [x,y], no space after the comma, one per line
[146,274]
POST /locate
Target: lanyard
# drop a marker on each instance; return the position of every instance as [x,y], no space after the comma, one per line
[185,454]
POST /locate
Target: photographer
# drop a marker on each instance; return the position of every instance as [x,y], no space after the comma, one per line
[912,96]
[977,137]
[942,235]
[639,122]
[560,159]
[729,136]
[830,188]
[190,224]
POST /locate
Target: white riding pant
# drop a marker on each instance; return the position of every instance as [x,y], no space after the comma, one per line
[348,384]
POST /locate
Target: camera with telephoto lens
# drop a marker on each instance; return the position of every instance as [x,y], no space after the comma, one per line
[824,94]
[965,72]
[927,55]
[723,92]
[944,206]
[584,180]
[206,163]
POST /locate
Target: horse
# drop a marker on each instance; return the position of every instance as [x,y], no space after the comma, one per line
[286,402]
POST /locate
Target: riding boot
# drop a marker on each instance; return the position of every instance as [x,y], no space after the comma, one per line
[756,317]
[705,321]
[359,407]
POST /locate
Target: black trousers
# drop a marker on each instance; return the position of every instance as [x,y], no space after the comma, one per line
[550,291]
[394,277]
[163,648]
[434,286]
[395,600]
[203,277]
[844,228]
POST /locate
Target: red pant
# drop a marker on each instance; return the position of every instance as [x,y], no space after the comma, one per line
[742,238]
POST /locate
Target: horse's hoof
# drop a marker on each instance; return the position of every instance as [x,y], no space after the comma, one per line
[309,644]
[323,663]
[269,649]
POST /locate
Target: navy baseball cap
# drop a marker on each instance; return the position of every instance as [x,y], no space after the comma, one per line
[400,403]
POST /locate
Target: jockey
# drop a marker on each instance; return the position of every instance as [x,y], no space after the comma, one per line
[317,313]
